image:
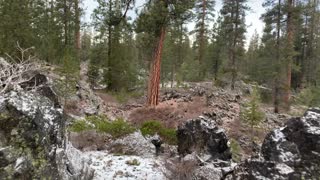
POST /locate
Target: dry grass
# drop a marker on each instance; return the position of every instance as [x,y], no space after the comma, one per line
[181,170]
[171,113]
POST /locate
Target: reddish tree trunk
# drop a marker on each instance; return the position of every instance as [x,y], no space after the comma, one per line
[276,79]
[287,94]
[154,77]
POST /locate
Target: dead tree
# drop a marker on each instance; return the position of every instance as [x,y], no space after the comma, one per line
[13,71]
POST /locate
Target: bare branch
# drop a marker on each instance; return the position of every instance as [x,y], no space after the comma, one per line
[13,71]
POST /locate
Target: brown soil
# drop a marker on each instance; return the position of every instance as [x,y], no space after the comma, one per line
[176,111]
[171,112]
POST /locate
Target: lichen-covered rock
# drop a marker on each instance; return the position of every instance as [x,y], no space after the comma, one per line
[72,164]
[297,144]
[258,169]
[90,140]
[133,144]
[204,137]
[32,130]
[291,152]
[207,172]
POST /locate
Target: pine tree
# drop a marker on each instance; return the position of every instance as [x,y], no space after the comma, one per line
[15,27]
[251,65]
[205,14]
[234,12]
[218,47]
[252,113]
[289,52]
[109,20]
[154,19]
[273,18]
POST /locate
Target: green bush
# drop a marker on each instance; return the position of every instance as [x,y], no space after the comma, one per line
[81,125]
[236,150]
[155,127]
[117,128]
[251,112]
[150,128]
[169,135]
[309,97]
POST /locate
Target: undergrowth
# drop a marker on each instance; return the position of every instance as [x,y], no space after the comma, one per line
[117,128]
[124,96]
[235,150]
[153,127]
[120,128]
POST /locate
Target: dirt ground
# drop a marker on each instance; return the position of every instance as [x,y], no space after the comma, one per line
[185,105]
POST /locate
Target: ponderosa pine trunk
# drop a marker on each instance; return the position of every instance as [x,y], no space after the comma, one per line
[287,93]
[276,90]
[154,77]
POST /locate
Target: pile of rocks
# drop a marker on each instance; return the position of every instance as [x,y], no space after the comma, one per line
[205,144]
[290,152]
[173,94]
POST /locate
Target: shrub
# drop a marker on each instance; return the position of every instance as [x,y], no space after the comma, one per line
[309,97]
[251,112]
[235,150]
[117,128]
[80,125]
[169,135]
[155,127]
[150,127]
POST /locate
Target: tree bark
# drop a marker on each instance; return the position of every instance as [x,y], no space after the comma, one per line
[290,45]
[154,77]
[109,52]
[276,79]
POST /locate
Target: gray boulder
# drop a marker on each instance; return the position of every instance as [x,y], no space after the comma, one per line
[33,143]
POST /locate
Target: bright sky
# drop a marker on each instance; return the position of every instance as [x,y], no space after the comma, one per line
[252,20]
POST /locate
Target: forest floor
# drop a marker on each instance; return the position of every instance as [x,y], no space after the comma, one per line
[178,105]
[181,104]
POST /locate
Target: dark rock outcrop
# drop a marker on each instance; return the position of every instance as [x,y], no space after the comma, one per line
[297,144]
[204,137]
[262,170]
[203,143]
[291,152]
[32,139]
